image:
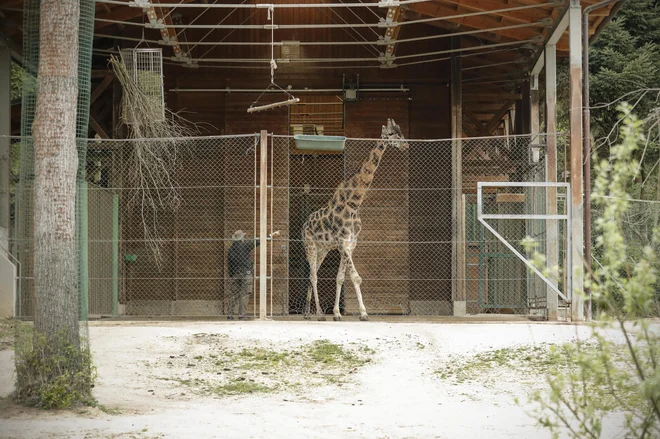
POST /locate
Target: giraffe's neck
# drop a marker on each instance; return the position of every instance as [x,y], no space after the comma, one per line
[351,192]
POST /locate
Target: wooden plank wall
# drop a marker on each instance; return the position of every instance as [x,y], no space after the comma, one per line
[100,250]
[322,173]
[220,212]
[430,202]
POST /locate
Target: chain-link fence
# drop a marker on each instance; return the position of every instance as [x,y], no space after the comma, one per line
[145,259]
[404,249]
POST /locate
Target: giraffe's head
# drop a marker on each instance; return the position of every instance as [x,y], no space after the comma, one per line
[392,135]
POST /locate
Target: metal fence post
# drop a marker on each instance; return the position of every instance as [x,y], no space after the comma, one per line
[263,218]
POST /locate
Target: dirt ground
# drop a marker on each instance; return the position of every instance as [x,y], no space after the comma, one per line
[290,379]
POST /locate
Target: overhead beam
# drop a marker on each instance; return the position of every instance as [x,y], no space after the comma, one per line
[15,51]
[558,31]
[96,126]
[482,22]
[489,97]
[394,15]
[495,120]
[117,14]
[472,117]
[494,6]
[168,33]
[101,88]
[123,13]
[469,127]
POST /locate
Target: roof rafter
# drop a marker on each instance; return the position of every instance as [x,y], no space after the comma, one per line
[523,16]
[483,22]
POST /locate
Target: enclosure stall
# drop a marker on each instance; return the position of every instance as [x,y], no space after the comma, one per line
[466,82]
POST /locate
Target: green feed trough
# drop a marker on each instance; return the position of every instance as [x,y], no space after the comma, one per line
[319,143]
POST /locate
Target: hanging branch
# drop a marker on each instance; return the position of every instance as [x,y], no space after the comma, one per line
[153,156]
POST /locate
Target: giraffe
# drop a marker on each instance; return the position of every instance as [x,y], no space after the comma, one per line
[337,225]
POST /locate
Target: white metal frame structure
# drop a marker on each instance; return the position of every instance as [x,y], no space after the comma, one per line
[482,217]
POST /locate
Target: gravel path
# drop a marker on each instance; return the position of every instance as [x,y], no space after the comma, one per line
[146,386]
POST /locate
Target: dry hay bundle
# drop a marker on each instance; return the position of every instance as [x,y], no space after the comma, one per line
[152,164]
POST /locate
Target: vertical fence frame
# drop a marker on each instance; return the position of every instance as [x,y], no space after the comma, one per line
[482,217]
[263,218]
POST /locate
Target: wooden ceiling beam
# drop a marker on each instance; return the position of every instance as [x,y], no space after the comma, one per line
[516,17]
[394,15]
[168,33]
[495,120]
[123,13]
[468,127]
[489,97]
[107,80]
[471,116]
[96,126]
[483,22]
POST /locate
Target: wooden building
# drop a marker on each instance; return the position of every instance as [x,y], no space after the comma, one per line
[442,69]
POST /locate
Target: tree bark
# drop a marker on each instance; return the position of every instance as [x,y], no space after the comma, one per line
[56,164]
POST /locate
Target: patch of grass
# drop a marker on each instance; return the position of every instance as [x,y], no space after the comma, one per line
[527,365]
[114,411]
[241,387]
[223,371]
[7,330]
[323,351]
[523,359]
[262,356]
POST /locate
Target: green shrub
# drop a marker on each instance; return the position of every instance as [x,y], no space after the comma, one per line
[52,372]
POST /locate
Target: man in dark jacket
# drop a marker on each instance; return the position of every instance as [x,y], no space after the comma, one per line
[239,265]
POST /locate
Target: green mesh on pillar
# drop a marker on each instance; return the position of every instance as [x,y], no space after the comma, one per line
[24,225]
[85,42]
[24,208]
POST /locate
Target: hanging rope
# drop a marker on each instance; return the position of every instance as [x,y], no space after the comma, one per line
[273,66]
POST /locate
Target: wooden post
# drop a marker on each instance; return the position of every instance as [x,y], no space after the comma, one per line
[7,270]
[263,218]
[552,247]
[5,146]
[458,245]
[576,200]
[534,107]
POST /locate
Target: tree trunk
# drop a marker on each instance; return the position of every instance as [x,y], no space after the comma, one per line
[56,164]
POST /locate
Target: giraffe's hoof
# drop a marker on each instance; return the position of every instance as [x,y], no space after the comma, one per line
[364,318]
[321,319]
[337,318]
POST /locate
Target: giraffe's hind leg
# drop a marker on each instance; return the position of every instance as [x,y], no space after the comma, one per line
[341,275]
[315,258]
[319,260]
[306,313]
[357,281]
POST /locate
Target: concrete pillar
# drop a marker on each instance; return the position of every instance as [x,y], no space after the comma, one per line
[552,248]
[576,198]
